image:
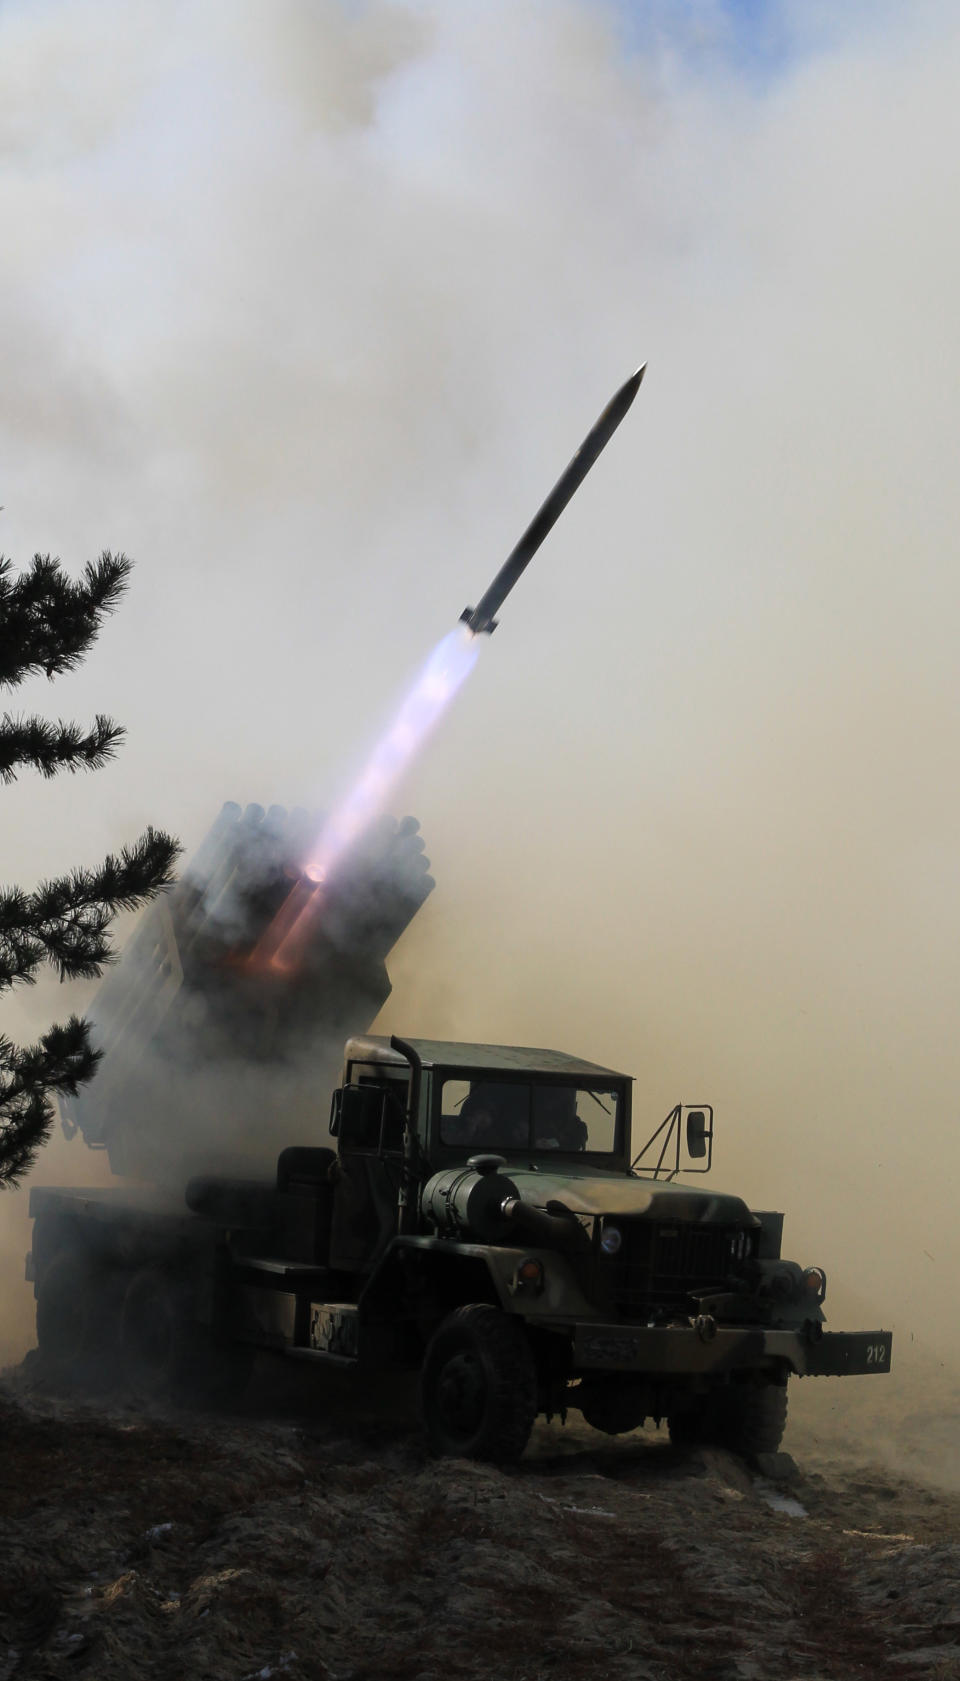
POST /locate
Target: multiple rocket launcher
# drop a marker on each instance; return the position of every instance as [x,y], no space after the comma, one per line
[201,1047]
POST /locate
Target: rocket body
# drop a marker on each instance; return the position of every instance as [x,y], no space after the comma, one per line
[481,619]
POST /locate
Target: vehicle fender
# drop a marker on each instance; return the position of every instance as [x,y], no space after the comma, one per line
[457,1273]
[771,1234]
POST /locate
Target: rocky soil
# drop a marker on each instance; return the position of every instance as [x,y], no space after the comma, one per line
[312,1538]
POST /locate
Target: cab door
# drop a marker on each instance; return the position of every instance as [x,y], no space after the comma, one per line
[368,1123]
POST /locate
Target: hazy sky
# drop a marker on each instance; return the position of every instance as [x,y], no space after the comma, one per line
[305,305]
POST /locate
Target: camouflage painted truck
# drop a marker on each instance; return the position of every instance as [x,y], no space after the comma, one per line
[477,1216]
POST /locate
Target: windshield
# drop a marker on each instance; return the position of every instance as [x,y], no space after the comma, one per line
[485,1114]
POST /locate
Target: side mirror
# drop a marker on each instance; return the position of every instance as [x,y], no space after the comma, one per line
[699,1133]
[361,1112]
[367,1118]
[685,1136]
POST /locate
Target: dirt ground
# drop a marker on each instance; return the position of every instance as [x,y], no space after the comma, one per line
[309,1536]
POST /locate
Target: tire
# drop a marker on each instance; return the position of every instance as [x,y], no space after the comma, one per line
[614,1408]
[166,1355]
[754,1418]
[478,1386]
[77,1320]
[746,1418]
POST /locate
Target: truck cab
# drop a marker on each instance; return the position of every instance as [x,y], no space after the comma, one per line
[408,1109]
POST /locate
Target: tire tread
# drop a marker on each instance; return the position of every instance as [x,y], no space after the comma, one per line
[512,1403]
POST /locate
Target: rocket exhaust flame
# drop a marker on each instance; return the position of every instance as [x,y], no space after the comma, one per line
[446,669]
[450,663]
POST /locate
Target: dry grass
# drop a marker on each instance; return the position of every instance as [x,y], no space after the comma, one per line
[214,1548]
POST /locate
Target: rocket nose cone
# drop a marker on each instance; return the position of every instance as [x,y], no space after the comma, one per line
[620,402]
[631,386]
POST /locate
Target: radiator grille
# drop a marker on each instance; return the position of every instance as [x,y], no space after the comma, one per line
[668,1262]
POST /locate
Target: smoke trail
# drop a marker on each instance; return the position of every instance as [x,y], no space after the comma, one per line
[447,668]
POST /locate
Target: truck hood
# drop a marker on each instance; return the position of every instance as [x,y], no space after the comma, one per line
[607,1193]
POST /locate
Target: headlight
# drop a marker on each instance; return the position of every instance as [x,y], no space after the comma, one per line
[611,1240]
[528,1276]
[815,1280]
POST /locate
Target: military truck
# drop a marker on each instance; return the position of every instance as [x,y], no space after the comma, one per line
[478,1216]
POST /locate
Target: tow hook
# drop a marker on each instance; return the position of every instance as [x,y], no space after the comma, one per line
[706,1327]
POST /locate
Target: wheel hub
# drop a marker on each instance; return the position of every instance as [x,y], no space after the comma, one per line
[461,1394]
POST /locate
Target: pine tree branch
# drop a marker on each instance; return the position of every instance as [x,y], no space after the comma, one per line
[52,747]
[66,921]
[47,621]
[60,1062]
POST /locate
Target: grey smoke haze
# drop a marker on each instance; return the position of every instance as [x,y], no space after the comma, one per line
[305,306]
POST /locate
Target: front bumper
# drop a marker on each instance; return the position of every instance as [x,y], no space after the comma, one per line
[685,1351]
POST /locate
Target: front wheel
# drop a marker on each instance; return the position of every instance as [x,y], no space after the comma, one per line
[478,1387]
[754,1418]
[746,1418]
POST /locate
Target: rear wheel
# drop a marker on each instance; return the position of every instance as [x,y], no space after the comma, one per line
[694,1425]
[77,1309]
[166,1354]
[615,1408]
[478,1387]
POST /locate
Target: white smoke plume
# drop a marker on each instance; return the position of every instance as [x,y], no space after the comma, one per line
[305,305]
